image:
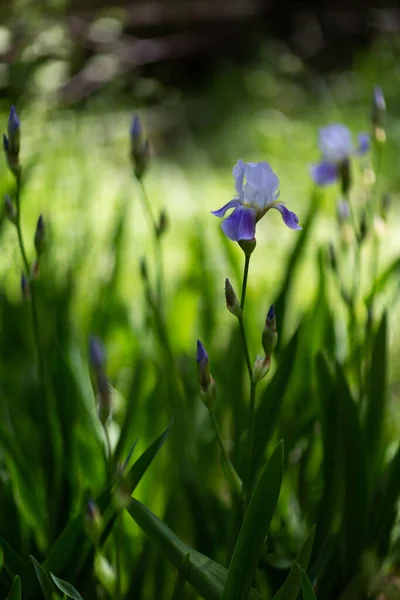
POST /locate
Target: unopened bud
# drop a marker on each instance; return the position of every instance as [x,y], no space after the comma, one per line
[248,246]
[104,397]
[162,226]
[343,211]
[25,287]
[11,211]
[142,159]
[385,206]
[209,395]
[270,335]
[40,236]
[232,303]
[362,234]
[143,269]
[378,109]
[261,368]
[332,256]
[203,369]
[93,521]
[97,355]
[35,270]
[122,492]
[11,143]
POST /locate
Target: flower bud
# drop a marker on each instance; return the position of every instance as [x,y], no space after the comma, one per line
[261,368]
[209,395]
[378,111]
[104,397]
[140,148]
[93,521]
[386,202]
[25,287]
[162,223]
[10,210]
[40,236]
[332,256]
[363,232]
[248,246]
[232,303]
[97,355]
[122,492]
[142,159]
[203,369]
[269,335]
[11,143]
[343,211]
[35,270]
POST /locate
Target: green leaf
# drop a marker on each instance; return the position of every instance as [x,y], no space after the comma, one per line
[254,529]
[382,281]
[271,402]
[385,512]
[306,586]
[376,401]
[44,579]
[13,564]
[291,586]
[15,592]
[72,547]
[354,527]
[205,575]
[66,588]
[179,586]
[329,419]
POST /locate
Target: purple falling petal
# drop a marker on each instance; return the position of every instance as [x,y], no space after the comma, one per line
[231,204]
[289,218]
[324,173]
[240,225]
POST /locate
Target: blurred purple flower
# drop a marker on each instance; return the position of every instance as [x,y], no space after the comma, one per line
[13,122]
[337,148]
[254,198]
[97,355]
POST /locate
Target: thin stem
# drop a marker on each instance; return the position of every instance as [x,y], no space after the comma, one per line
[244,284]
[157,243]
[118,531]
[229,470]
[252,412]
[35,319]
[245,347]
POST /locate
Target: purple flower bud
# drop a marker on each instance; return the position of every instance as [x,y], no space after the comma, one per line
[97,355]
[25,287]
[343,211]
[6,143]
[10,210]
[13,122]
[13,130]
[136,128]
[40,236]
[378,107]
[203,369]
[93,521]
[232,303]
[269,337]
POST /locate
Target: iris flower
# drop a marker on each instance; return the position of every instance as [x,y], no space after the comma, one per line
[257,191]
[336,148]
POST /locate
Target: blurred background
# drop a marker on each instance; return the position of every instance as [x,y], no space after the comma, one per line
[212,82]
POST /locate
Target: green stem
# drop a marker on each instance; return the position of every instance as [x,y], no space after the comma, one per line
[252,412]
[157,244]
[244,284]
[35,319]
[245,348]
[229,470]
[118,531]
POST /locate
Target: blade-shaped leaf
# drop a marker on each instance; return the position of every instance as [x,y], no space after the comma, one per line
[13,564]
[66,588]
[306,586]
[72,547]
[205,575]
[354,528]
[292,584]
[15,592]
[376,400]
[44,579]
[382,280]
[181,578]
[254,529]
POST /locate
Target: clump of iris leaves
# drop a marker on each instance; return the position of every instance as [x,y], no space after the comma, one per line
[268,503]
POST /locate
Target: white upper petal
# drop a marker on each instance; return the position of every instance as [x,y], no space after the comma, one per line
[261,187]
[238,173]
[335,143]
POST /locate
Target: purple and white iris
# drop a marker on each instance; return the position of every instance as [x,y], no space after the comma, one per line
[336,148]
[257,191]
